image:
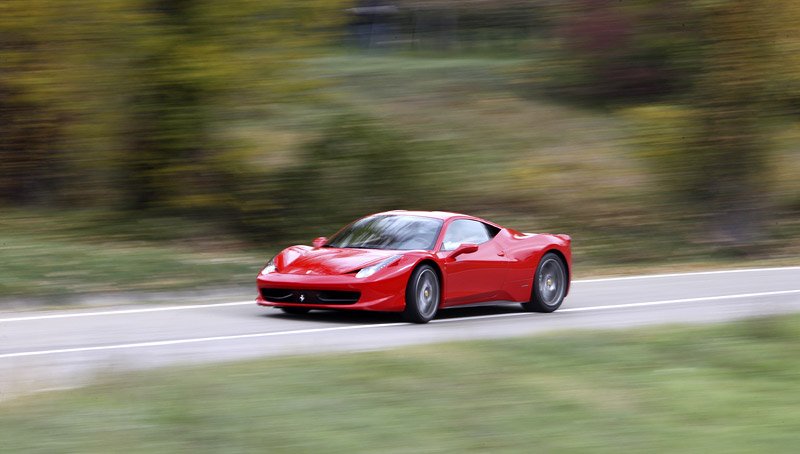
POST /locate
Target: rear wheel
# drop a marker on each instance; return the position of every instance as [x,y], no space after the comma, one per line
[422,295]
[549,285]
[294,310]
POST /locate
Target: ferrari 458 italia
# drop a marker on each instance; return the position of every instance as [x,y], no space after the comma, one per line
[417,262]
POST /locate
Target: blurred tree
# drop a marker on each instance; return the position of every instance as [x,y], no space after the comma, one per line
[29,121]
[29,159]
[447,25]
[355,166]
[710,146]
[203,61]
[618,52]
[60,97]
[730,104]
[123,101]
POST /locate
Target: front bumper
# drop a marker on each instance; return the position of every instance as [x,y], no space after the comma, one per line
[383,292]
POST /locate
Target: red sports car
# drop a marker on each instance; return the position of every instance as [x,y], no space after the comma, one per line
[417,262]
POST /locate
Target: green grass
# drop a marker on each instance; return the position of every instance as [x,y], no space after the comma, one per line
[62,254]
[57,257]
[726,388]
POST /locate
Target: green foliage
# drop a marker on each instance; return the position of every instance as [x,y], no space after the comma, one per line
[211,60]
[359,165]
[356,166]
[29,120]
[123,101]
[60,99]
[213,112]
[623,52]
[724,143]
[715,67]
[664,136]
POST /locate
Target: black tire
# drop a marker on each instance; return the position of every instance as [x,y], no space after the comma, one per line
[294,310]
[423,293]
[549,285]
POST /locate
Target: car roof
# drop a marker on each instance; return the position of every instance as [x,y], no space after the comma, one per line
[443,215]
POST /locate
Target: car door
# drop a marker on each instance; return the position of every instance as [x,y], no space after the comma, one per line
[476,276]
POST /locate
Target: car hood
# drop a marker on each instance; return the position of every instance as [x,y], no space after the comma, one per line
[305,260]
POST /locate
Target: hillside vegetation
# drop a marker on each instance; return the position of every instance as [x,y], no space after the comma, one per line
[236,128]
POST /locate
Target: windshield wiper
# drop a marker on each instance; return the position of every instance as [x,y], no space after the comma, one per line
[364,246]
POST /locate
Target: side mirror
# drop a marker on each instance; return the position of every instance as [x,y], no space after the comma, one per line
[319,242]
[466,248]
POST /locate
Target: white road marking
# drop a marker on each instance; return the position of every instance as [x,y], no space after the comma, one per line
[693,273]
[243,303]
[683,300]
[628,305]
[378,325]
[195,340]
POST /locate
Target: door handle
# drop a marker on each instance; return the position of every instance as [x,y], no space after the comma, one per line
[501,253]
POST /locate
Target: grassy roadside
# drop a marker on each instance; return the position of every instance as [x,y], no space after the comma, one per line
[722,388]
[66,254]
[60,259]
[57,272]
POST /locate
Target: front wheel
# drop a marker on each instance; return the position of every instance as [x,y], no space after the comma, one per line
[549,285]
[422,295]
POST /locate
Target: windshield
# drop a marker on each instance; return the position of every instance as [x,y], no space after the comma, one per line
[389,232]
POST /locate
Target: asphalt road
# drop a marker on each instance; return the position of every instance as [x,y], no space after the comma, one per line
[41,350]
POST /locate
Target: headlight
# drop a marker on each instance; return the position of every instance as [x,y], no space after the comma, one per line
[372,269]
[269,267]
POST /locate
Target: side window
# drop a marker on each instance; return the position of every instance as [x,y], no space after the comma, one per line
[464,231]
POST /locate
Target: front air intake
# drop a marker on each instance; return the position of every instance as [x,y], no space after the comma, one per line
[279,295]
